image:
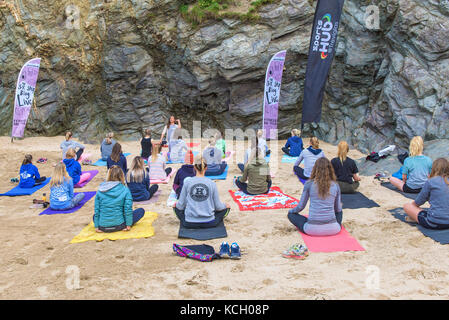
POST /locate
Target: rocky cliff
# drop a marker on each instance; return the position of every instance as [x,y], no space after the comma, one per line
[125,65]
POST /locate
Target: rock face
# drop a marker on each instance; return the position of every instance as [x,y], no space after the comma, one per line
[125,65]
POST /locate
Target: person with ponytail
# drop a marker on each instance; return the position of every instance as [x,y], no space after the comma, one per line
[325,210]
[146,145]
[214,159]
[61,190]
[310,156]
[294,146]
[69,143]
[29,174]
[346,170]
[114,204]
[416,169]
[199,204]
[186,171]
[250,152]
[117,158]
[436,192]
[256,172]
[74,168]
[138,181]
[157,164]
[106,146]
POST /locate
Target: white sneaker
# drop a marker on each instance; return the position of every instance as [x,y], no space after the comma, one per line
[387,150]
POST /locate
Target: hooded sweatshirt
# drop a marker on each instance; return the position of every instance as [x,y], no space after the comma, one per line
[73,169]
[28,174]
[113,205]
[310,156]
[121,163]
[185,171]
[213,157]
[106,149]
[65,145]
[178,149]
[140,191]
[61,195]
[257,172]
[295,144]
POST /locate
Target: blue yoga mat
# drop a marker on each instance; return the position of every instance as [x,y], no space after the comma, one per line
[398,174]
[102,163]
[221,176]
[17,191]
[267,158]
[288,159]
[441,236]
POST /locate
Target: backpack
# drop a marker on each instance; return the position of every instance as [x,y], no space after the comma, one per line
[402,157]
[203,252]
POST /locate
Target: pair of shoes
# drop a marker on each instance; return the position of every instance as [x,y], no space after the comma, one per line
[87,162]
[14,180]
[232,252]
[296,251]
[42,160]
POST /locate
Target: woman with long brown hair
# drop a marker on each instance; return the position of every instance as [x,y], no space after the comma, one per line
[436,192]
[325,211]
[29,174]
[138,180]
[345,169]
[169,129]
[117,158]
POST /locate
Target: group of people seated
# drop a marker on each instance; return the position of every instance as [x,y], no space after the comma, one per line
[198,203]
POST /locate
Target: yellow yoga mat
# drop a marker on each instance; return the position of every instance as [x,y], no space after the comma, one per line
[142,229]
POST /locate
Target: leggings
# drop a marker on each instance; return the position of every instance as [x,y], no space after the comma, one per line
[39,181]
[219,216]
[244,187]
[84,177]
[137,215]
[300,172]
[299,220]
[75,201]
[79,153]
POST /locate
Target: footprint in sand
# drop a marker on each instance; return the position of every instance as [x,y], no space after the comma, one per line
[238,268]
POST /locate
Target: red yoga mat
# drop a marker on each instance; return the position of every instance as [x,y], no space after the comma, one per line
[342,241]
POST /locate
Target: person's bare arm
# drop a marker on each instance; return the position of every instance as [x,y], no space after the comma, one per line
[356,177]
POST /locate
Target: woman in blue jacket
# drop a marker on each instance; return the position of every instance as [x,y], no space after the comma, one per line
[29,174]
[73,168]
[114,204]
[61,190]
[138,180]
[294,144]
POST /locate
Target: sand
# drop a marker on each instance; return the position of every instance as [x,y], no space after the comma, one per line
[38,262]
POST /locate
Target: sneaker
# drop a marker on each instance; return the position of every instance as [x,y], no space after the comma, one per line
[386,150]
[224,250]
[296,251]
[87,162]
[235,251]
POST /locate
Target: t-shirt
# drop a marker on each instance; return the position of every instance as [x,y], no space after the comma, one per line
[157,168]
[345,171]
[145,143]
[417,169]
[200,199]
[436,191]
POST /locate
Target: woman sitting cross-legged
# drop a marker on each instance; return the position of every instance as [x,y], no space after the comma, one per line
[213,157]
[346,170]
[138,181]
[157,163]
[436,192]
[187,170]
[199,204]
[114,204]
[257,172]
[61,190]
[117,158]
[325,211]
[29,174]
[309,155]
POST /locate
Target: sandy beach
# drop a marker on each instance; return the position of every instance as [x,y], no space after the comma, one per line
[37,258]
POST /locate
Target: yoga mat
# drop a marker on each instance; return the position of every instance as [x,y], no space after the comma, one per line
[288,159]
[388,185]
[142,229]
[441,236]
[87,196]
[195,153]
[153,199]
[357,201]
[154,181]
[274,199]
[342,241]
[193,144]
[204,233]
[171,199]
[221,176]
[93,173]
[17,191]
[102,163]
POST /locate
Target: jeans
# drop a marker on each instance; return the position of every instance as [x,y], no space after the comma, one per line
[244,187]
[299,220]
[219,216]
[137,215]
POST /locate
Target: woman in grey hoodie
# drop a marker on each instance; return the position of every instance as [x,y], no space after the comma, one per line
[106,146]
[69,143]
[310,156]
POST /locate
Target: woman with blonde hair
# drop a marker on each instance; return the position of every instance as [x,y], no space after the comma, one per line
[199,204]
[106,146]
[416,169]
[294,146]
[436,192]
[114,204]
[345,169]
[74,168]
[138,181]
[310,156]
[29,174]
[157,164]
[69,143]
[325,211]
[117,158]
[61,190]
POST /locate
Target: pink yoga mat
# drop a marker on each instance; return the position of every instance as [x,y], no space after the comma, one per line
[93,173]
[342,241]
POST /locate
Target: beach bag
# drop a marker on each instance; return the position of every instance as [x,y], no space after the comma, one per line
[373,156]
[402,157]
[203,252]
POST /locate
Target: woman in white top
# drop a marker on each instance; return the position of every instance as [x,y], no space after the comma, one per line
[169,129]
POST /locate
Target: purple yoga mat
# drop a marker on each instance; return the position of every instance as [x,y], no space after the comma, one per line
[93,173]
[87,196]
